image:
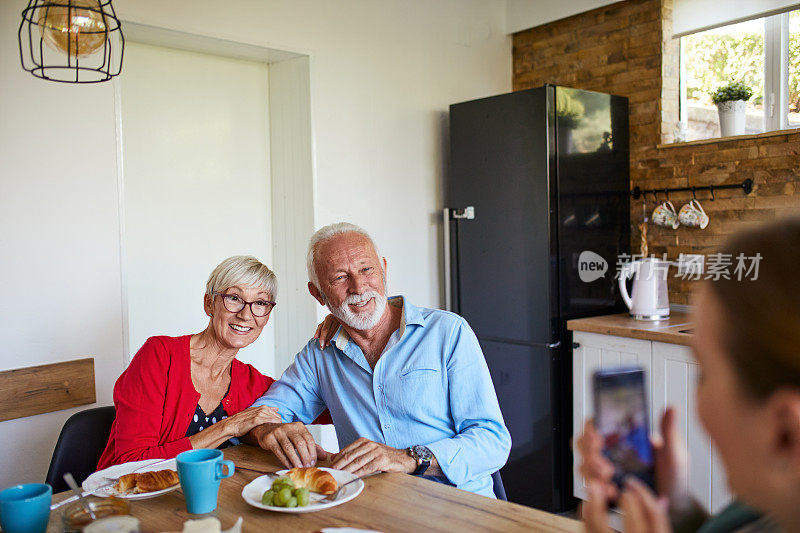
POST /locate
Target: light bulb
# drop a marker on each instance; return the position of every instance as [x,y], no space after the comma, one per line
[69,27]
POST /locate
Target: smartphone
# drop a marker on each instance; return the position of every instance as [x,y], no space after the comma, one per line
[622,418]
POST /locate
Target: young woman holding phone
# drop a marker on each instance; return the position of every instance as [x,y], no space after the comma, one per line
[747,345]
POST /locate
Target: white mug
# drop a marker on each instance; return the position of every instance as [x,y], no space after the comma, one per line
[665,215]
[693,215]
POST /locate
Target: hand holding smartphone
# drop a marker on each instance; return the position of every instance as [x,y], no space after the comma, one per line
[621,416]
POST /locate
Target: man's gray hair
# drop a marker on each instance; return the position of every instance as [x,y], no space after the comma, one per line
[242,270]
[326,233]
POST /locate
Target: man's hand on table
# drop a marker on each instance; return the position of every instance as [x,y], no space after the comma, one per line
[294,447]
[364,456]
[291,443]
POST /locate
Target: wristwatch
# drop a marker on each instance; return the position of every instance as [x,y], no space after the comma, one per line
[422,455]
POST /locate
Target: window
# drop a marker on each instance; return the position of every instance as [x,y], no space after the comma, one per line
[793,88]
[764,53]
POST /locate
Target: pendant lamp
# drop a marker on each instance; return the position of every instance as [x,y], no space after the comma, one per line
[71,41]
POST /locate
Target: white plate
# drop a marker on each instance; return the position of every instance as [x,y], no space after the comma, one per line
[254,490]
[99,478]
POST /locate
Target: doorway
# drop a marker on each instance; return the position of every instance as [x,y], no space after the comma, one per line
[195,132]
[201,179]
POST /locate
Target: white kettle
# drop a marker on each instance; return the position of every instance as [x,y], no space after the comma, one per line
[650,299]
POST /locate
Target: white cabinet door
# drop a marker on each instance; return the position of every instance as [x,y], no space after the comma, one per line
[595,352]
[674,383]
[720,495]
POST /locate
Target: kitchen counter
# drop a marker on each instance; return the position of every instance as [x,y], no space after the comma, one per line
[677,329]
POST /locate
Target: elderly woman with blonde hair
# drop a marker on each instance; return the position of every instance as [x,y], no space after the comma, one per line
[180,393]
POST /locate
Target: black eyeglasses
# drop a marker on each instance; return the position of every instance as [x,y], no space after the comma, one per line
[234,304]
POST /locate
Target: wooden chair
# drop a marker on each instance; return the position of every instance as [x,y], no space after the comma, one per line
[80,444]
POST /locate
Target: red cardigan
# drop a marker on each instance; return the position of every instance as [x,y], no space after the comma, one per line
[155,401]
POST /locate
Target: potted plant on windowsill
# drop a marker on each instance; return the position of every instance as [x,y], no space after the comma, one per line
[731,100]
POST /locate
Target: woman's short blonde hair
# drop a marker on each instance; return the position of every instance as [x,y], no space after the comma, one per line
[242,270]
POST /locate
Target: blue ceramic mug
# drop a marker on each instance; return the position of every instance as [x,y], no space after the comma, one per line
[25,508]
[200,472]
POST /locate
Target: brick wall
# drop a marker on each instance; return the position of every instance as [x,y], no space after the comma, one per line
[626,49]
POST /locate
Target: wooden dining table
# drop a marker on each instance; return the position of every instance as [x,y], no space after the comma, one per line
[389,502]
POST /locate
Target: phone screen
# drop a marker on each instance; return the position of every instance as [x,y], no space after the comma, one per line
[621,417]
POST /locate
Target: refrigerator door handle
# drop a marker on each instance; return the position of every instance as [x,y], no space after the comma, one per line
[466,213]
[446,253]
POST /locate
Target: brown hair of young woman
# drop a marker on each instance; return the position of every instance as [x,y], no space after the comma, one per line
[761,325]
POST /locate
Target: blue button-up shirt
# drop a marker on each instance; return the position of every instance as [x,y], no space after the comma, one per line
[430,386]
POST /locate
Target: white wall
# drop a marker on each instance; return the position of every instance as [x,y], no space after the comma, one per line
[382,75]
[526,14]
[59,240]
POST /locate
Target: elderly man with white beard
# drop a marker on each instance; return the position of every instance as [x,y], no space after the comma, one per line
[407,387]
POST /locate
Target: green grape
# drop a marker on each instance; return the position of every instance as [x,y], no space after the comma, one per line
[280,486]
[282,497]
[292,502]
[277,489]
[302,496]
[266,499]
[282,481]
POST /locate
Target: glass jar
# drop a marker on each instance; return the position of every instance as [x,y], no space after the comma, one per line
[76,517]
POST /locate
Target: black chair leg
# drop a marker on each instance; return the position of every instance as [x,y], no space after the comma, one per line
[497,485]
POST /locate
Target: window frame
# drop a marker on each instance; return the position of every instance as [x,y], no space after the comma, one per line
[775,75]
[776,72]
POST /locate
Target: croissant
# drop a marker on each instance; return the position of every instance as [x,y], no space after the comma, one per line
[146,481]
[313,479]
[153,481]
[126,483]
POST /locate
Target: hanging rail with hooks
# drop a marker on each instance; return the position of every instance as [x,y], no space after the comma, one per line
[746,185]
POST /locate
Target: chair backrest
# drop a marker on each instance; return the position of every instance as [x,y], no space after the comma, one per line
[497,485]
[80,444]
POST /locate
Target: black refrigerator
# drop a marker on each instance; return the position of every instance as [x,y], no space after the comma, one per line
[538,205]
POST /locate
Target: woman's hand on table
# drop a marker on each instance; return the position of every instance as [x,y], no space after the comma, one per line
[326,330]
[236,425]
